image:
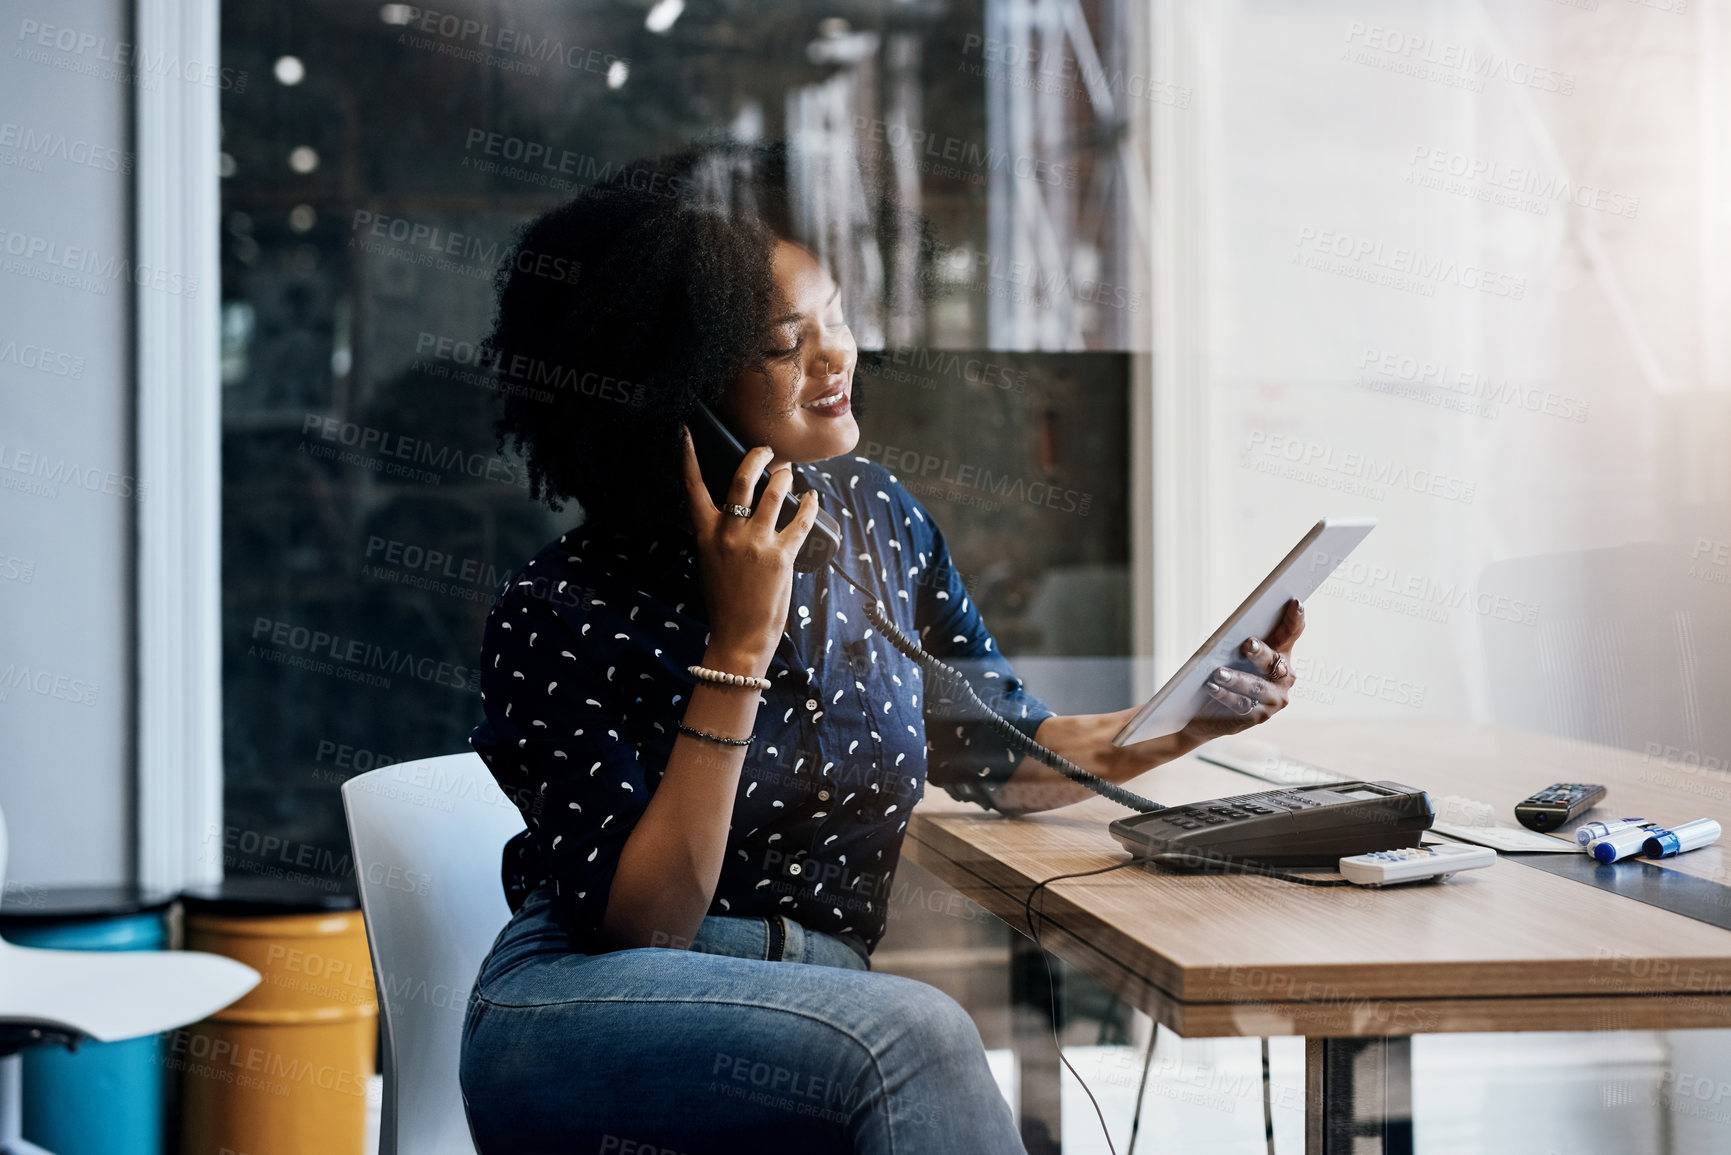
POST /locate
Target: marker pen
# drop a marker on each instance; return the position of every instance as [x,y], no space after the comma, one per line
[1621,843]
[1593,830]
[1689,836]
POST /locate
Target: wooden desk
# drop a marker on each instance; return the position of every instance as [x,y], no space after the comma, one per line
[1504,949]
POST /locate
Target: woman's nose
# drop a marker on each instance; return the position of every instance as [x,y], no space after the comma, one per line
[833,356]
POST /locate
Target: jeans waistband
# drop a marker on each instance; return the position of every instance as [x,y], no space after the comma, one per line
[776,938]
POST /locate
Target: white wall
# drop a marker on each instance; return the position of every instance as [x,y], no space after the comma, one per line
[66,449]
[1554,497]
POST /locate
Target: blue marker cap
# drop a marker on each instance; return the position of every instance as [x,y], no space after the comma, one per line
[1620,844]
[1689,836]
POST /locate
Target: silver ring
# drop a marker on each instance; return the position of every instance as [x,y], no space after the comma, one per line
[1277,668]
[736,510]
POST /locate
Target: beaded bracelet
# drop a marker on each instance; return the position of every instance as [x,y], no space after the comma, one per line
[723,678]
[684,729]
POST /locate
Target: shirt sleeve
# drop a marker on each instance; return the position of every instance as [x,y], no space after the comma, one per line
[552,739]
[964,754]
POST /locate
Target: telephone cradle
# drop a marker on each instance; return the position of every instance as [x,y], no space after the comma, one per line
[1297,826]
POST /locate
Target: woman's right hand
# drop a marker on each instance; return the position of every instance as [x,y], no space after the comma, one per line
[745,562]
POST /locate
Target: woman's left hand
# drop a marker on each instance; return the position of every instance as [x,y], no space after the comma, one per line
[1254,689]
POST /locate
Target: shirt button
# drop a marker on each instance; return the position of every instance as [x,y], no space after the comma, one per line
[811,703]
[823,795]
[793,868]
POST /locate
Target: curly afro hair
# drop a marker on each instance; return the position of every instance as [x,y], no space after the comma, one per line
[618,311]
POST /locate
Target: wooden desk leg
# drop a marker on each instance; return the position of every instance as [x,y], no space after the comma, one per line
[1032,1013]
[1358,1089]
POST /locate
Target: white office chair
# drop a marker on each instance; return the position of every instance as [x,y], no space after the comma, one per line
[427,837]
[49,996]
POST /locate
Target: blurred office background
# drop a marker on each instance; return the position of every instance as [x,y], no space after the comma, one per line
[1158,283]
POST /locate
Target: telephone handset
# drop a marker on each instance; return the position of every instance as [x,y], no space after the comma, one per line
[719,453]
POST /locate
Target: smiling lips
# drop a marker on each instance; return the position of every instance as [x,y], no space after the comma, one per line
[831,404]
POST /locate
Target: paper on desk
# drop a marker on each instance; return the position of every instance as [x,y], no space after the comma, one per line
[1474,821]
[1507,838]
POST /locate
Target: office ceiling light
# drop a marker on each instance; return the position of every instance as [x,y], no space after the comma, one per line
[616,74]
[289,70]
[303,160]
[662,15]
[396,13]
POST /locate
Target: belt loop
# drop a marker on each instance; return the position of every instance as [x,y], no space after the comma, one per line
[775,943]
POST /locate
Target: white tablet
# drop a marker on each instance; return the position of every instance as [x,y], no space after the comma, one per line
[1298,575]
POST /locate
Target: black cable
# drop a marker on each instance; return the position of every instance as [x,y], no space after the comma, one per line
[1267,1099]
[1142,1089]
[953,682]
[1051,989]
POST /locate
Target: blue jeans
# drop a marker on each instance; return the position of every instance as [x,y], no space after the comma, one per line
[718,1048]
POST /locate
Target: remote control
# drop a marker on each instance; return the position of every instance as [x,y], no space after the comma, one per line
[1558,805]
[1386,867]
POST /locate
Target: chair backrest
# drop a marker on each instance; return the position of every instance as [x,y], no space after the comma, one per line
[427,837]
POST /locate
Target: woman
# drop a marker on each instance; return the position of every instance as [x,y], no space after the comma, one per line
[692,840]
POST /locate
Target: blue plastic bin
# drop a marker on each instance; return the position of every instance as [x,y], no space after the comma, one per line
[103,1098]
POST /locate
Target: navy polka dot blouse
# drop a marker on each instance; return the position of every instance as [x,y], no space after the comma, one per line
[584,682]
